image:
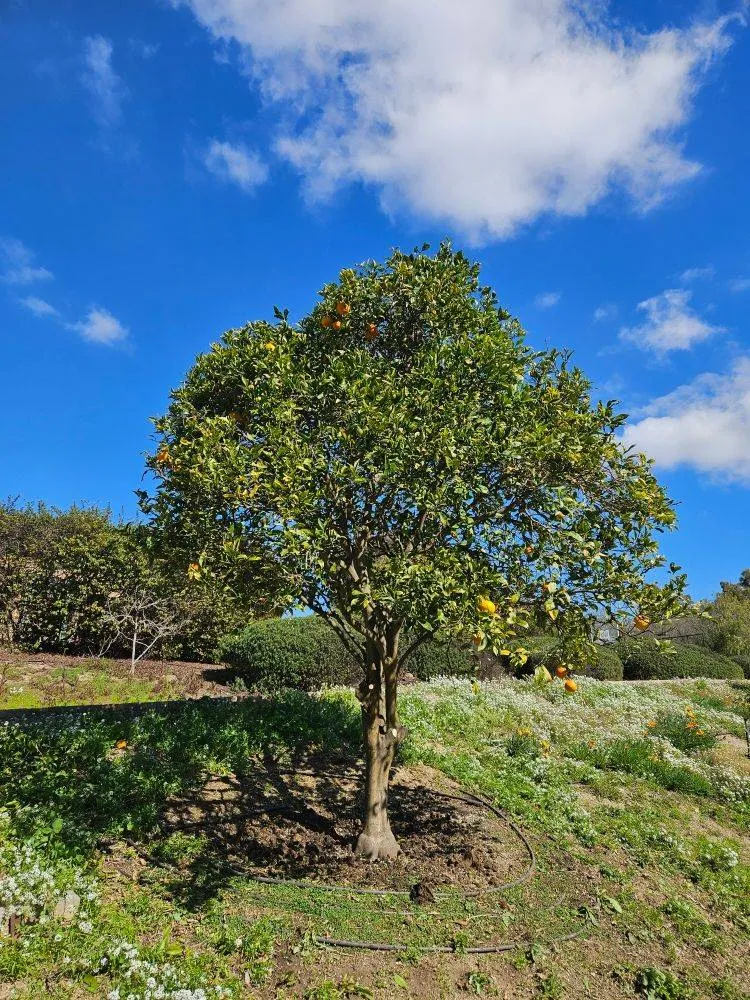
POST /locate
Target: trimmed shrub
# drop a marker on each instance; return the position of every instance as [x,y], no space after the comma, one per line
[545,651]
[643,661]
[744,662]
[608,665]
[303,653]
[441,659]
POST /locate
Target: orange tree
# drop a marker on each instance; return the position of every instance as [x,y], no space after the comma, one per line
[412,468]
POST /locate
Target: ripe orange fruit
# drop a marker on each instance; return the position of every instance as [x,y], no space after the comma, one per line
[336,324]
[529,550]
[641,622]
[570,685]
[487,606]
[121,744]
[561,671]
[372,332]
[477,639]
[163,457]
[343,308]
[326,321]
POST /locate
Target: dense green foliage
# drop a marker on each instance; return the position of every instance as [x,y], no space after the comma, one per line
[647,661]
[730,613]
[442,659]
[64,575]
[401,452]
[602,662]
[305,653]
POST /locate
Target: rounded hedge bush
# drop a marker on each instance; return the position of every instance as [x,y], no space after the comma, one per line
[302,653]
[744,662]
[545,651]
[643,661]
[305,653]
[441,659]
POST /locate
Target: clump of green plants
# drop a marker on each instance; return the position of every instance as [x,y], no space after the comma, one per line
[684,731]
[658,984]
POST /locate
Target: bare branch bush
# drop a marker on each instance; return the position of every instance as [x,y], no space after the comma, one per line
[142,620]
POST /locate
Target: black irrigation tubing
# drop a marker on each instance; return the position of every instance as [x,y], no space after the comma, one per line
[383,946]
[359,891]
[489,949]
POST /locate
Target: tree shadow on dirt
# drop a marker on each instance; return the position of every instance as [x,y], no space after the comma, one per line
[300,822]
[108,774]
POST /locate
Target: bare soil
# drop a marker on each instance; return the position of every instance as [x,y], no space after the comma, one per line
[59,680]
[302,825]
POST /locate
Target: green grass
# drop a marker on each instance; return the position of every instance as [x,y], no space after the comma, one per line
[86,682]
[603,797]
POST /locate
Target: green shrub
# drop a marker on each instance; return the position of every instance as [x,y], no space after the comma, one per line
[646,661]
[608,665]
[303,653]
[306,654]
[441,659]
[545,651]
[744,662]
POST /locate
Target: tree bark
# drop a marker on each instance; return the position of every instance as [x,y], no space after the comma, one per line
[382,734]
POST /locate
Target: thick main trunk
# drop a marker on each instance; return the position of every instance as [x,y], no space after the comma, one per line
[376,839]
[382,733]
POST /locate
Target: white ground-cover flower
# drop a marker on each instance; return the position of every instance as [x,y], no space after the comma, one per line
[151,980]
[601,712]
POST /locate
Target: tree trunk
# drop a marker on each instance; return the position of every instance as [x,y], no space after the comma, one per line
[382,734]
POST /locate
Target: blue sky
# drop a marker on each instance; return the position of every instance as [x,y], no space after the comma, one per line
[173,169]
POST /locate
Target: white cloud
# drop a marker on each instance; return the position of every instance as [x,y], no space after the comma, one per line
[547,300]
[39,307]
[671,324]
[236,164]
[606,311]
[704,425]
[739,285]
[100,327]
[18,265]
[698,273]
[486,114]
[106,88]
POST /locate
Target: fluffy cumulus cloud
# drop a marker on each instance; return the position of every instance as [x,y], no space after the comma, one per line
[738,285]
[704,425]
[105,87]
[487,113]
[236,164]
[670,325]
[18,264]
[100,327]
[547,300]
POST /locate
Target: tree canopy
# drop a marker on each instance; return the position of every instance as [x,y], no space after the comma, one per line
[406,465]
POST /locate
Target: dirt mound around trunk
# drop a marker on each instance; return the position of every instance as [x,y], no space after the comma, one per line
[303,824]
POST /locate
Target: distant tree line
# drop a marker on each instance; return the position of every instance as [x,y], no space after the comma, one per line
[79,582]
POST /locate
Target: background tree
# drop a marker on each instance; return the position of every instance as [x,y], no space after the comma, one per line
[143,620]
[730,614]
[410,468]
[63,573]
